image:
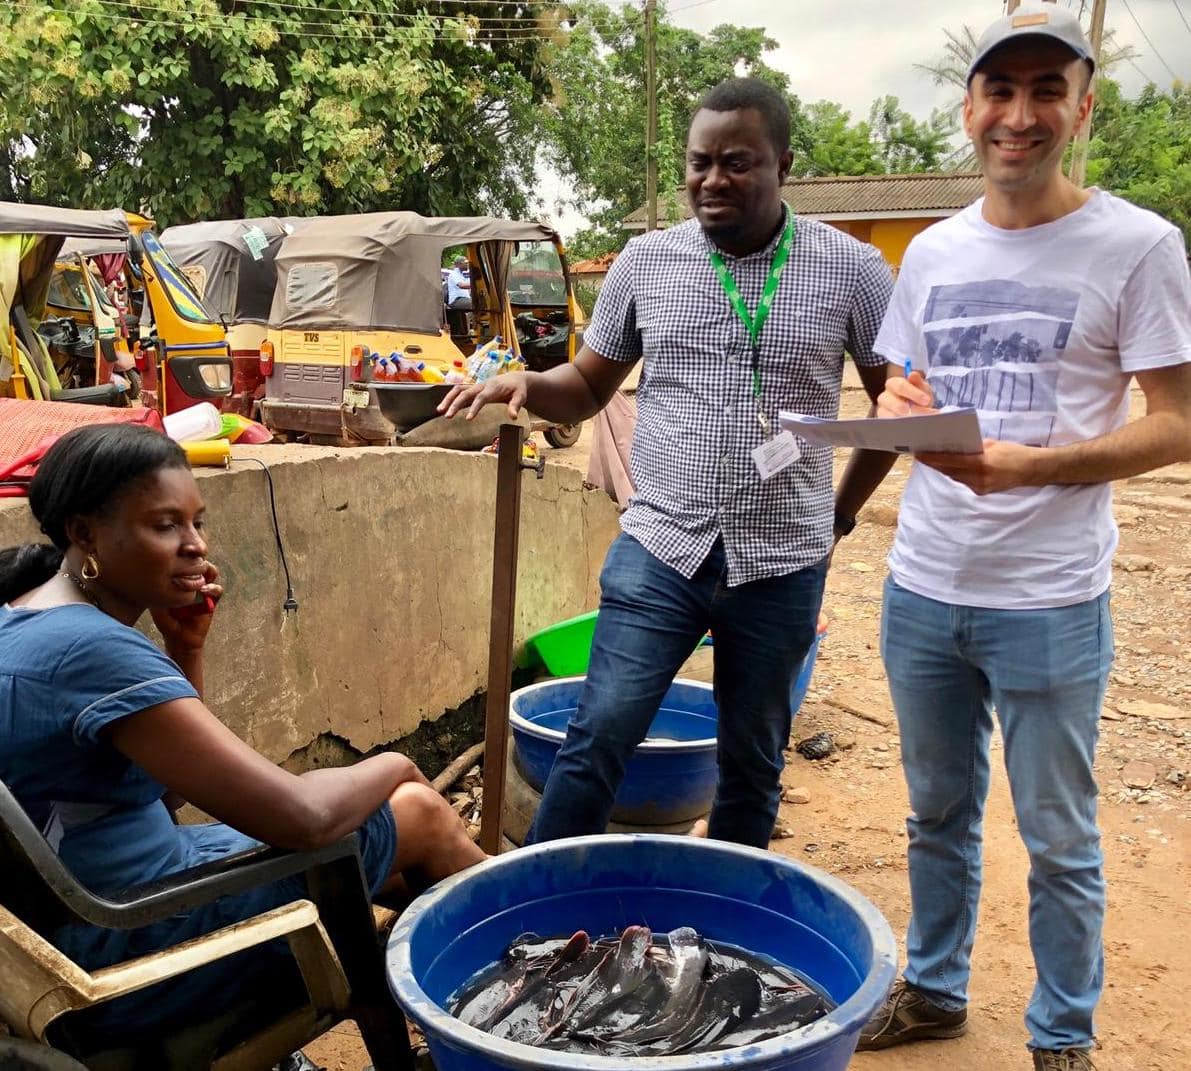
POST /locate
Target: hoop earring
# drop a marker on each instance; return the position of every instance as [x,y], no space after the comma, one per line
[90,569]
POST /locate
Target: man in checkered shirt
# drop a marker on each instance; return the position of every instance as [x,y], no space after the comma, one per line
[729,528]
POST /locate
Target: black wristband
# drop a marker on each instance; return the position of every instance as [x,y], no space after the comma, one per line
[844,524]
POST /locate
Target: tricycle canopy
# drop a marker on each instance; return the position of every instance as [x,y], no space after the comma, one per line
[231,263]
[381,270]
[63,222]
[31,237]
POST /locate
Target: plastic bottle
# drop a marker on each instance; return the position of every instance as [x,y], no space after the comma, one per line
[489,367]
[453,377]
[432,375]
[194,423]
[476,362]
[381,372]
[406,371]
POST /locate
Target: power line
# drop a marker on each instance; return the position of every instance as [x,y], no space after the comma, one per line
[1145,77]
[391,12]
[1181,15]
[381,10]
[464,21]
[497,35]
[1148,41]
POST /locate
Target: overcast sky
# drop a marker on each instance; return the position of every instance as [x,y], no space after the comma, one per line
[853,51]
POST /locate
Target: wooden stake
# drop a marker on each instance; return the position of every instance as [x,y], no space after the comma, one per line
[500,638]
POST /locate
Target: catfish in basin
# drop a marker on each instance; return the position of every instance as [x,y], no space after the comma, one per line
[537,969]
[683,969]
[623,969]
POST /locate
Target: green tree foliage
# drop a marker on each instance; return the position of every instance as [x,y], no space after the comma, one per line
[198,109]
[836,145]
[904,144]
[891,142]
[1141,149]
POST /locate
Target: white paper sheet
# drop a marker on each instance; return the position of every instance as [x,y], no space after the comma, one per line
[950,431]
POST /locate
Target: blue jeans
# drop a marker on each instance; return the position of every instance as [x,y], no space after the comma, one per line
[651,618]
[1045,672]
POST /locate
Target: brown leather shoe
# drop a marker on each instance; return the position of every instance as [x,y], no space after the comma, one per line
[907,1015]
[1063,1060]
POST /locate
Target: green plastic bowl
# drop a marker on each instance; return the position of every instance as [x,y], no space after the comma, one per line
[565,648]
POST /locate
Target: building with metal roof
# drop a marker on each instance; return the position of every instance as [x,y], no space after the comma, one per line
[886,210]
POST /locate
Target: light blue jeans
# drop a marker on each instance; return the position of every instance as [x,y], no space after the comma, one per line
[1044,671]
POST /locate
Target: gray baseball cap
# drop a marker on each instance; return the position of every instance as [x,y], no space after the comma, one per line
[1033,20]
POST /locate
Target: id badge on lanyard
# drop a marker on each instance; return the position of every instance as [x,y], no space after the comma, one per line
[776,452]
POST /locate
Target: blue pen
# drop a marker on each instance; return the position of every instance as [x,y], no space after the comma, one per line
[909,368]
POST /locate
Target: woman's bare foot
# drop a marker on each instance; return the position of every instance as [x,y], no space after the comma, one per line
[699,829]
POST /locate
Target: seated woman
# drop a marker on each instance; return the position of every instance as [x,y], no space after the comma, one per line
[99,730]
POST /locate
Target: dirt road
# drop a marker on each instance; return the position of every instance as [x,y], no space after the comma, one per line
[852,824]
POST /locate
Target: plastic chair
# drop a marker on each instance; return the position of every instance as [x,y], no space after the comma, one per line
[16,1054]
[332,936]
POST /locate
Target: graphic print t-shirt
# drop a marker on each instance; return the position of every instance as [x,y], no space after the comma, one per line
[1040,330]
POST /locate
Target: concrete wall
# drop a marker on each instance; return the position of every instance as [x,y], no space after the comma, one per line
[390,552]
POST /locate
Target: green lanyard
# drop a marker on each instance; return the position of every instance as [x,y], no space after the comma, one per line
[754,323]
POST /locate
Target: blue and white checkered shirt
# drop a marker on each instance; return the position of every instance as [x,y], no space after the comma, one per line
[697,424]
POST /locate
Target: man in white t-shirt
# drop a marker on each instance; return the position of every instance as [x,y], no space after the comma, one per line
[1036,305]
[459,285]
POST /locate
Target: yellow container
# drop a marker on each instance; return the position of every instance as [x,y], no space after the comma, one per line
[214,452]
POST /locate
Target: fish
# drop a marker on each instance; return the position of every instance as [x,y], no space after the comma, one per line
[723,1005]
[781,1018]
[531,972]
[684,966]
[630,995]
[620,971]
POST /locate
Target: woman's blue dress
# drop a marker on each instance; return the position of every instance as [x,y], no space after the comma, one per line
[66,674]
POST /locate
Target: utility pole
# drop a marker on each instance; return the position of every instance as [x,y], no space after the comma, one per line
[651,115]
[1079,152]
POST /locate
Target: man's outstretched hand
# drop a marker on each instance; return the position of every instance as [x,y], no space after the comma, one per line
[511,388]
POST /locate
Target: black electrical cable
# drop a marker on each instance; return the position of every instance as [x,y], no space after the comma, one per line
[290,603]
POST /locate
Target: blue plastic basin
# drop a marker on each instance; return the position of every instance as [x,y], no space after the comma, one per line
[672,774]
[805,919]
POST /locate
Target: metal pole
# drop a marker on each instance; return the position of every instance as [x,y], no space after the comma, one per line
[651,116]
[500,637]
[1079,152]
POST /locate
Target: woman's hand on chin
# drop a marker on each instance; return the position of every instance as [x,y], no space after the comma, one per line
[184,629]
